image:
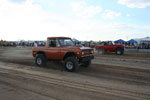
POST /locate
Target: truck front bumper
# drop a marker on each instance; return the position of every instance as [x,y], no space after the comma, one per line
[87,58]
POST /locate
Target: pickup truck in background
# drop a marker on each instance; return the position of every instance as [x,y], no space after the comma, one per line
[63,49]
[108,46]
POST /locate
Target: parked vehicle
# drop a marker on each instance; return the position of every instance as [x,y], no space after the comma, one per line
[108,46]
[63,49]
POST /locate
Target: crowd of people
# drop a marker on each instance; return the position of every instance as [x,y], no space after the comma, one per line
[144,45]
[141,45]
[21,43]
[6,43]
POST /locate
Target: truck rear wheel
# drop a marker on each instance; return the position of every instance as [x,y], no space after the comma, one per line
[100,51]
[40,60]
[71,64]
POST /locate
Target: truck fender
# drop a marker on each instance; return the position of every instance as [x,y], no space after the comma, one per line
[118,48]
[41,52]
[68,54]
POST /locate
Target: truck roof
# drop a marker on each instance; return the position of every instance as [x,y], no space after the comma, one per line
[58,38]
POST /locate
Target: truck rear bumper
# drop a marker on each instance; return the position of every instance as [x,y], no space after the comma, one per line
[85,59]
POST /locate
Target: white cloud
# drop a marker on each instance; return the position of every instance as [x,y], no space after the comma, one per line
[30,22]
[83,10]
[128,15]
[109,14]
[17,1]
[135,3]
[26,21]
[51,4]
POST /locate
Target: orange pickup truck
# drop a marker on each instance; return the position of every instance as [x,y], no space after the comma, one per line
[63,49]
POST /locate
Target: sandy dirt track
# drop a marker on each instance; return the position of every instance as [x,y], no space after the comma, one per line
[125,77]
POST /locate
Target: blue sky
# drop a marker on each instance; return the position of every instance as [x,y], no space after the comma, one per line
[80,19]
[138,15]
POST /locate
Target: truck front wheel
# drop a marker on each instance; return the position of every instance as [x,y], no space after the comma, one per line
[71,64]
[40,60]
[100,51]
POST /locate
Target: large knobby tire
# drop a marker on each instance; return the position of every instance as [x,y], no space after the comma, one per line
[100,51]
[87,63]
[119,51]
[71,64]
[40,60]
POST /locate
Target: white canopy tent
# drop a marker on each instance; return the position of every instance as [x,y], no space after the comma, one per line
[141,40]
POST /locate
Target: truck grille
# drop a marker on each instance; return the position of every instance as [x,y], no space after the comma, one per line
[86,52]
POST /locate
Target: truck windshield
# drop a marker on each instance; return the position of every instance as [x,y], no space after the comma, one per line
[66,42]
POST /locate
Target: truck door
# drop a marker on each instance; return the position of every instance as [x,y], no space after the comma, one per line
[53,52]
[108,46]
[111,47]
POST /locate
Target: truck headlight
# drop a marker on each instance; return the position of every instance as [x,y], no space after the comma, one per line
[83,53]
[92,51]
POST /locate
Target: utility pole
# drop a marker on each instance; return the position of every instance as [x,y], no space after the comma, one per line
[127,38]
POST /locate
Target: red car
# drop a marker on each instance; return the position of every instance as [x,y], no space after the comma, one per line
[108,46]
